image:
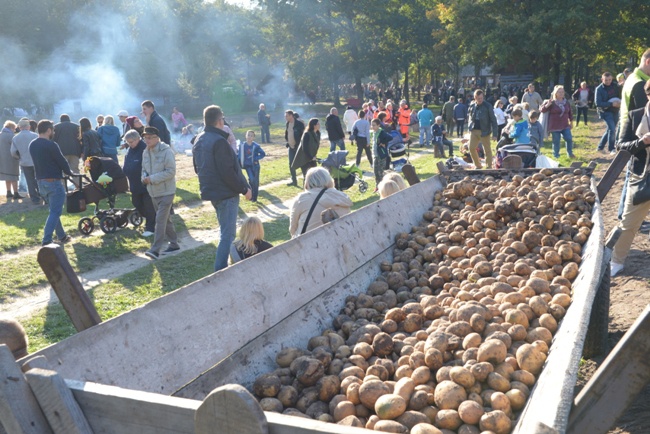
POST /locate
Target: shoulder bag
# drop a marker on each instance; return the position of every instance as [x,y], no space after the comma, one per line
[311,210]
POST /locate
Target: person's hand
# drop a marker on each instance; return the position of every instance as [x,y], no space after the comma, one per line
[616,104]
[646,139]
[146,180]
[249,194]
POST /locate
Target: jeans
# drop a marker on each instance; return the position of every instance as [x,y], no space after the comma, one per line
[164,226]
[362,143]
[32,184]
[53,193]
[610,134]
[253,174]
[568,138]
[334,143]
[582,111]
[292,155]
[266,134]
[460,127]
[227,216]
[144,205]
[425,135]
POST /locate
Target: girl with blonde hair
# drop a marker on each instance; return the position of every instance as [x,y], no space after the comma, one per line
[250,240]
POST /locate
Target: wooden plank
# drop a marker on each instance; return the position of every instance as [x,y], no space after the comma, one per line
[576,164]
[56,401]
[67,287]
[230,409]
[616,383]
[611,175]
[19,410]
[551,398]
[194,330]
[32,362]
[283,424]
[110,409]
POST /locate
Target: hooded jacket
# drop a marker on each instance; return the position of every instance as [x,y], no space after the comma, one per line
[159,165]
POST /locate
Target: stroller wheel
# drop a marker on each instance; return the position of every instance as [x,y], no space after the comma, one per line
[108,224]
[86,226]
[136,219]
[363,186]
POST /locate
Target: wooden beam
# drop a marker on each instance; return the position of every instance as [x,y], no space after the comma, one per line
[67,287]
[32,362]
[230,409]
[611,175]
[56,401]
[617,382]
[283,424]
[19,410]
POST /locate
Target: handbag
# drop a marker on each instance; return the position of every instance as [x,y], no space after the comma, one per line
[640,188]
[75,201]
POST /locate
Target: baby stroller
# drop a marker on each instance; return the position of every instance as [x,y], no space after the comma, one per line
[527,152]
[94,189]
[344,175]
[397,147]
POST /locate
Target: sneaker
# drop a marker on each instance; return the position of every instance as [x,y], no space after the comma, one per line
[571,156]
[10,195]
[292,184]
[64,239]
[602,151]
[170,249]
[147,233]
[615,268]
[152,255]
[18,196]
[612,153]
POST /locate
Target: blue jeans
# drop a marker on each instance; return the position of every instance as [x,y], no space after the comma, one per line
[610,134]
[53,193]
[334,143]
[253,174]
[425,135]
[227,216]
[568,138]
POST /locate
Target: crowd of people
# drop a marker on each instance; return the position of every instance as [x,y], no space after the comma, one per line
[44,154]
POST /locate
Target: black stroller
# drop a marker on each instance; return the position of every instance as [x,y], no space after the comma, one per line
[526,151]
[93,190]
[344,175]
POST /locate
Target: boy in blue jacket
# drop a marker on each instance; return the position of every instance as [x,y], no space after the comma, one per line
[250,153]
[519,131]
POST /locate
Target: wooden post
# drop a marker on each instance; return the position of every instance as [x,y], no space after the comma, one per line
[56,401]
[67,286]
[230,409]
[617,382]
[613,171]
[19,410]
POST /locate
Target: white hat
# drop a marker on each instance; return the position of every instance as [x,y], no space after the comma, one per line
[438,118]
[122,113]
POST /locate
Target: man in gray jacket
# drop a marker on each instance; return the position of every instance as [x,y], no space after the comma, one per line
[159,175]
[20,151]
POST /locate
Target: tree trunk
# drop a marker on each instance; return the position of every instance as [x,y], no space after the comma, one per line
[405,94]
[556,64]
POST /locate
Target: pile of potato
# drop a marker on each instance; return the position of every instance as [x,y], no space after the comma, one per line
[452,335]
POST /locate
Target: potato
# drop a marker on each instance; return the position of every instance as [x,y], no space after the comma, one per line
[524,377]
[370,391]
[271,404]
[496,421]
[539,334]
[470,412]
[342,410]
[449,395]
[425,428]
[493,351]
[267,386]
[472,340]
[412,418]
[517,399]
[329,386]
[481,371]
[498,382]
[382,344]
[390,406]
[421,375]
[530,359]
[351,421]
[499,401]
[570,271]
[548,322]
[462,376]
[288,355]
[468,429]
[390,426]
[288,396]
[448,419]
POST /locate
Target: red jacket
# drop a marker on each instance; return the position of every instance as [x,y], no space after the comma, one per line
[557,121]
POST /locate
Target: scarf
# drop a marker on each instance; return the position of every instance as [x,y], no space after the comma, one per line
[562,105]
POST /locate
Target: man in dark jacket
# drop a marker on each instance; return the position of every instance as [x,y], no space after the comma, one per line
[293,135]
[133,170]
[608,103]
[482,123]
[264,120]
[66,135]
[335,130]
[221,180]
[155,120]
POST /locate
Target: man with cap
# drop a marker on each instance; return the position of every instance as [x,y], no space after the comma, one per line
[123,114]
[159,175]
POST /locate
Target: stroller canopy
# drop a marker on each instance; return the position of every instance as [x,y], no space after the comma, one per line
[335,159]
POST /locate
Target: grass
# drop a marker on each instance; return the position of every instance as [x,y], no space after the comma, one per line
[51,324]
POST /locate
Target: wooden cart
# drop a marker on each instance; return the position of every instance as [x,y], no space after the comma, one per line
[216,332]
